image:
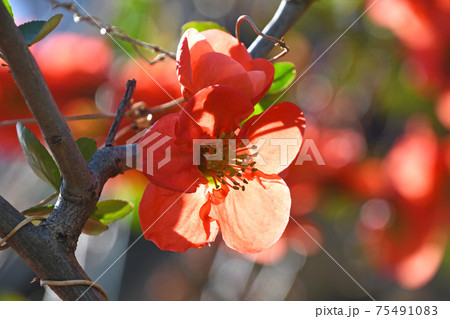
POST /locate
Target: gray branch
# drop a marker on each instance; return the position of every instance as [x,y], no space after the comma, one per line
[284,18]
[45,252]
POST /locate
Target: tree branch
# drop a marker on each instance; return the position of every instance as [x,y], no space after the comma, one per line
[47,257]
[71,210]
[284,18]
[31,83]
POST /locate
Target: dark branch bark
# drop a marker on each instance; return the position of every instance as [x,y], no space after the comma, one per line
[49,248]
[31,83]
[284,18]
[72,211]
[46,254]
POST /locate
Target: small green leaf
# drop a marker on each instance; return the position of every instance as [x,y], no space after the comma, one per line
[39,211]
[94,227]
[111,210]
[202,26]
[38,157]
[35,31]
[87,146]
[257,110]
[8,7]
[284,75]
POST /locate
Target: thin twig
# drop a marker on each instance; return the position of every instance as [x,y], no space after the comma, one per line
[112,31]
[44,201]
[97,116]
[71,283]
[17,228]
[131,85]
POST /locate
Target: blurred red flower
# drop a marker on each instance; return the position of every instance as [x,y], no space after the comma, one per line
[157,84]
[74,66]
[246,199]
[422,26]
[403,224]
[216,57]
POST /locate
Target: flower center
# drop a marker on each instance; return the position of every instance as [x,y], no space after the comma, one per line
[231,165]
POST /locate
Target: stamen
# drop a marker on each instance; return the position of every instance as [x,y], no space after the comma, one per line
[227,172]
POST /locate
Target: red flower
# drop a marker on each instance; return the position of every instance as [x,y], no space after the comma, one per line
[186,204]
[403,228]
[74,67]
[157,83]
[422,26]
[216,57]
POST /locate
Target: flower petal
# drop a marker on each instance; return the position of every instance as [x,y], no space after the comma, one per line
[254,219]
[216,109]
[172,219]
[420,267]
[198,44]
[167,158]
[225,43]
[261,83]
[281,129]
[216,68]
[184,70]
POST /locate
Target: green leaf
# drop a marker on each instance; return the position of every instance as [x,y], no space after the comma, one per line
[257,110]
[284,75]
[87,146]
[202,26]
[94,227]
[8,7]
[39,211]
[111,210]
[38,157]
[35,31]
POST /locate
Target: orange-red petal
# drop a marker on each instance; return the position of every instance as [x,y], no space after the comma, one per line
[281,128]
[167,158]
[261,72]
[216,68]
[216,109]
[184,69]
[225,43]
[172,219]
[254,219]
